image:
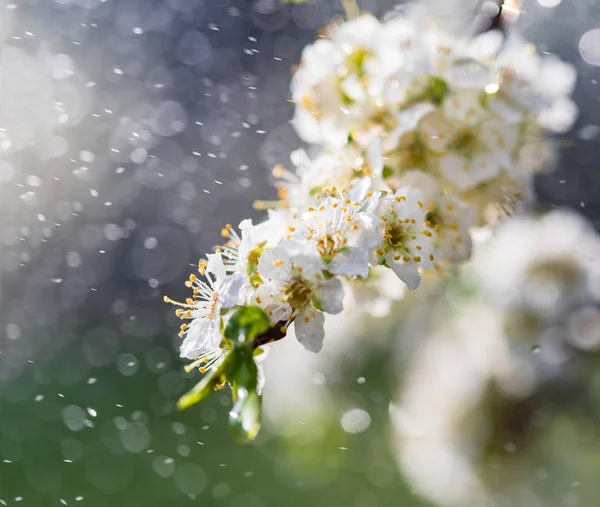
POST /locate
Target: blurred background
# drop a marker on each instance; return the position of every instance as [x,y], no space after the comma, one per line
[130,132]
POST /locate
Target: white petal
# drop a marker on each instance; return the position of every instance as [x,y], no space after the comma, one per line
[331,295]
[427,184]
[203,335]
[408,273]
[352,262]
[309,329]
[215,266]
[232,290]
[375,156]
[465,174]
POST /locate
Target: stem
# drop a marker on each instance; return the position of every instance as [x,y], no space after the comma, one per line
[275,333]
[351,8]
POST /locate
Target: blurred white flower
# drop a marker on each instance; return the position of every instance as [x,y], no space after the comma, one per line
[547,264]
[527,303]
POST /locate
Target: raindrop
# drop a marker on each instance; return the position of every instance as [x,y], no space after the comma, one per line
[74,417]
[13,332]
[163,466]
[150,243]
[589,46]
[355,420]
[190,479]
[135,437]
[127,364]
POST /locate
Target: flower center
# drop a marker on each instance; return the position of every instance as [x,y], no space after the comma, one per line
[464,142]
[298,292]
[414,152]
[434,218]
[560,272]
[355,61]
[326,245]
[395,234]
[213,304]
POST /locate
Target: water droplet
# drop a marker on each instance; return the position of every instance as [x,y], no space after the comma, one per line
[355,420]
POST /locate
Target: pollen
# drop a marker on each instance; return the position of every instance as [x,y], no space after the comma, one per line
[278,262]
[278,170]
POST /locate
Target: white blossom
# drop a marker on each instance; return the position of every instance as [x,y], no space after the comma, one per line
[293,274]
[407,243]
[547,264]
[202,338]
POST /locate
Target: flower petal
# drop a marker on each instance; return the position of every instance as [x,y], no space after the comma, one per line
[203,335]
[331,295]
[216,266]
[352,262]
[408,273]
[309,329]
[233,290]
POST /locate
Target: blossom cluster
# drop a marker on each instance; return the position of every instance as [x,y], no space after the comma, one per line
[420,135]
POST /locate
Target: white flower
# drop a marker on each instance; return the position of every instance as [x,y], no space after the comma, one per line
[202,338]
[343,231]
[472,144]
[331,170]
[547,264]
[376,293]
[241,251]
[540,84]
[450,218]
[295,283]
[407,241]
[339,80]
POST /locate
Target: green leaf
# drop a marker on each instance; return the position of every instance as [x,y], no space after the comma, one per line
[211,380]
[244,417]
[247,323]
[246,375]
[387,171]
